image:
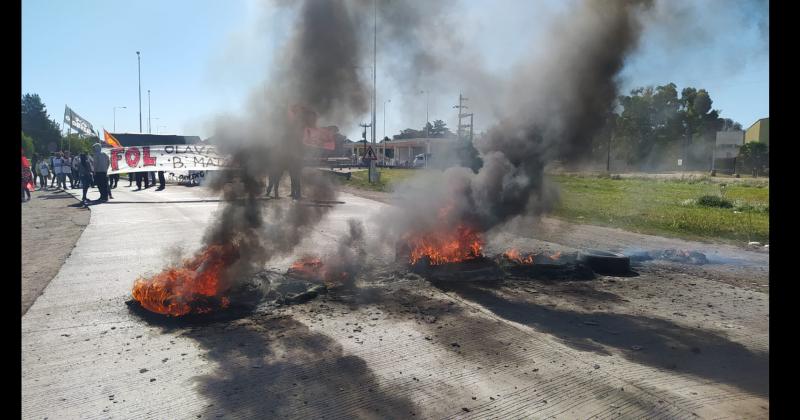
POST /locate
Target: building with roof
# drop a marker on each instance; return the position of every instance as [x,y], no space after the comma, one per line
[136,139]
[758,132]
[401,152]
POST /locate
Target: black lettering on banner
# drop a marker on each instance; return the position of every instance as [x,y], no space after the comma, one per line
[169,149]
[177,162]
[198,161]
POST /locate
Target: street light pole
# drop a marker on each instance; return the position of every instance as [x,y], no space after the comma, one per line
[374,68]
[384,116]
[149,130]
[427,117]
[115,115]
[383,149]
[139,59]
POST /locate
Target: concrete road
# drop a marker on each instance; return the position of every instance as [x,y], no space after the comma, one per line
[665,344]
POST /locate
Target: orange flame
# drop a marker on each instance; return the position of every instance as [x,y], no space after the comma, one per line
[462,244]
[190,288]
[514,255]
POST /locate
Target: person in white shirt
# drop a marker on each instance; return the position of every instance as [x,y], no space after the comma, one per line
[75,162]
[44,174]
[58,163]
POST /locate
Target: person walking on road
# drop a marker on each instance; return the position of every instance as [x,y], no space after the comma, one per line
[85,171]
[52,170]
[57,170]
[44,174]
[27,179]
[35,170]
[66,169]
[76,160]
[101,163]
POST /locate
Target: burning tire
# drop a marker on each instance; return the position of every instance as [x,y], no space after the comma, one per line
[605,262]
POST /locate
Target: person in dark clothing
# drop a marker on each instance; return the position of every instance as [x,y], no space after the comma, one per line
[152,178]
[295,173]
[142,176]
[161,181]
[113,181]
[101,164]
[276,170]
[85,171]
[130,179]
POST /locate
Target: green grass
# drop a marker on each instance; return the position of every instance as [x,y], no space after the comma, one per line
[668,208]
[389,178]
[658,207]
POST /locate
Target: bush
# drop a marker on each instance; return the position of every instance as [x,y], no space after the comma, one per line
[714,201]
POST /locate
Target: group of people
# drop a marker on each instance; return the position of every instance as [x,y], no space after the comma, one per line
[276,172]
[82,171]
[146,178]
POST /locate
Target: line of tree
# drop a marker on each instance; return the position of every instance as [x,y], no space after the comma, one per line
[41,134]
[438,129]
[653,127]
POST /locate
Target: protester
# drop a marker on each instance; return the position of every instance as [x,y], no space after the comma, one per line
[75,162]
[44,174]
[35,170]
[161,181]
[101,163]
[66,169]
[84,171]
[276,169]
[114,180]
[130,179]
[55,173]
[142,176]
[27,179]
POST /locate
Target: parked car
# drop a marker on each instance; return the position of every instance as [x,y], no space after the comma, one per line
[420,161]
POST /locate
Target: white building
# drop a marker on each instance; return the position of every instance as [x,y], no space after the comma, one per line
[401,152]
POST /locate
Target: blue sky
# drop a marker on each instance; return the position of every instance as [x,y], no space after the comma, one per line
[202,57]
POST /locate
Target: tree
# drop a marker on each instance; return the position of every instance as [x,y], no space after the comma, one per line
[27,146]
[440,129]
[727,124]
[754,157]
[701,124]
[76,143]
[408,133]
[37,124]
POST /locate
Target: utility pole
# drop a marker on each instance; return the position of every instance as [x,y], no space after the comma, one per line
[373,175]
[139,59]
[462,115]
[364,136]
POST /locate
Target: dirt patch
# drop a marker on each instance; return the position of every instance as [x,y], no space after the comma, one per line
[52,222]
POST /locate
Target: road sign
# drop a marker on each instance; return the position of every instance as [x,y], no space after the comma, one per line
[370,154]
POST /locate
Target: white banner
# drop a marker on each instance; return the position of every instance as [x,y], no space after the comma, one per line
[180,157]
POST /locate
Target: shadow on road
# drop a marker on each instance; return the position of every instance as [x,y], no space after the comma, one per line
[268,367]
[660,343]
